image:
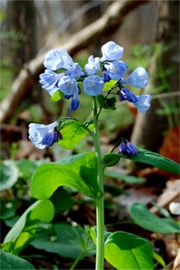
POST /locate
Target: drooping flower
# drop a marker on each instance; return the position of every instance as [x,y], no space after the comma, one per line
[138,78]
[142,103]
[127,148]
[111,51]
[68,85]
[93,65]
[49,81]
[93,85]
[44,135]
[116,69]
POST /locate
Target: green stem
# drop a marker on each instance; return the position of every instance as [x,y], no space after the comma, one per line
[77,260]
[99,202]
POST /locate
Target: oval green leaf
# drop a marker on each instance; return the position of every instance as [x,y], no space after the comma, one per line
[42,210]
[10,261]
[146,157]
[127,251]
[66,240]
[78,172]
[144,218]
[73,132]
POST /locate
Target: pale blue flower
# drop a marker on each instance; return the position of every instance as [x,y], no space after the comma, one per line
[93,85]
[43,135]
[56,59]
[68,85]
[138,78]
[93,65]
[116,69]
[111,51]
[49,81]
[142,103]
[74,71]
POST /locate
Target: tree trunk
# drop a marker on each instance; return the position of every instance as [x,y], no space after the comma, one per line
[148,129]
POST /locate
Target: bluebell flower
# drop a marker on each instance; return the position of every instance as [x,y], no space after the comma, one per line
[56,59]
[43,135]
[142,103]
[75,102]
[93,65]
[74,71]
[127,148]
[111,51]
[93,85]
[138,78]
[49,81]
[116,69]
[105,76]
[68,85]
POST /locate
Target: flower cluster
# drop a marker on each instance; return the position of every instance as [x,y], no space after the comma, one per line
[64,75]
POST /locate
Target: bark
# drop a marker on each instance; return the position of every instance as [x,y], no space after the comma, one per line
[148,129]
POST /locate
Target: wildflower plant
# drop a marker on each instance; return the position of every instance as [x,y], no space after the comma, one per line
[104,80]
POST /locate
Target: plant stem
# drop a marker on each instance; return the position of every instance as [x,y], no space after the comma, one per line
[77,260]
[99,202]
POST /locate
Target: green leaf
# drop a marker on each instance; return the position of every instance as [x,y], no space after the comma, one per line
[26,167]
[20,234]
[62,200]
[58,95]
[129,179]
[159,259]
[144,218]
[146,157]
[73,132]
[127,251]
[10,261]
[109,85]
[64,239]
[107,103]
[9,174]
[78,172]
[8,208]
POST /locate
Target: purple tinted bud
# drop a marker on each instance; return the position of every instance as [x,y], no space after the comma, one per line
[122,148]
[74,105]
[131,149]
[127,148]
[106,77]
[125,94]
